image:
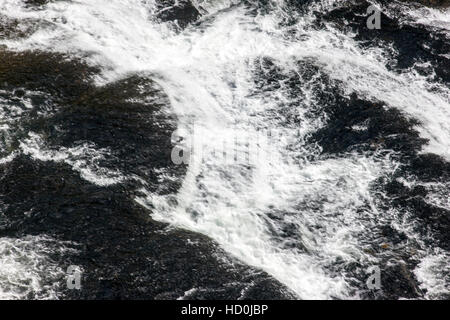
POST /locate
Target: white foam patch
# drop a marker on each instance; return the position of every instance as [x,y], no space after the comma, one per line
[83,158]
[436,18]
[15,108]
[26,271]
[8,158]
[437,192]
[434,274]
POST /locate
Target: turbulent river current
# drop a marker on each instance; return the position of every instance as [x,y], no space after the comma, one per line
[225,149]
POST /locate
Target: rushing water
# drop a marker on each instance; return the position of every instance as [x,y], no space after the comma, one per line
[258,81]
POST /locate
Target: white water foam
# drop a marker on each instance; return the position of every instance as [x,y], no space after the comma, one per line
[26,271]
[83,158]
[434,274]
[208,72]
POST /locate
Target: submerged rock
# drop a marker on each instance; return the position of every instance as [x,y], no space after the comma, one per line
[181,12]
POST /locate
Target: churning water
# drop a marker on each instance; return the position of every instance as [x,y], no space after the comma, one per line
[257,81]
